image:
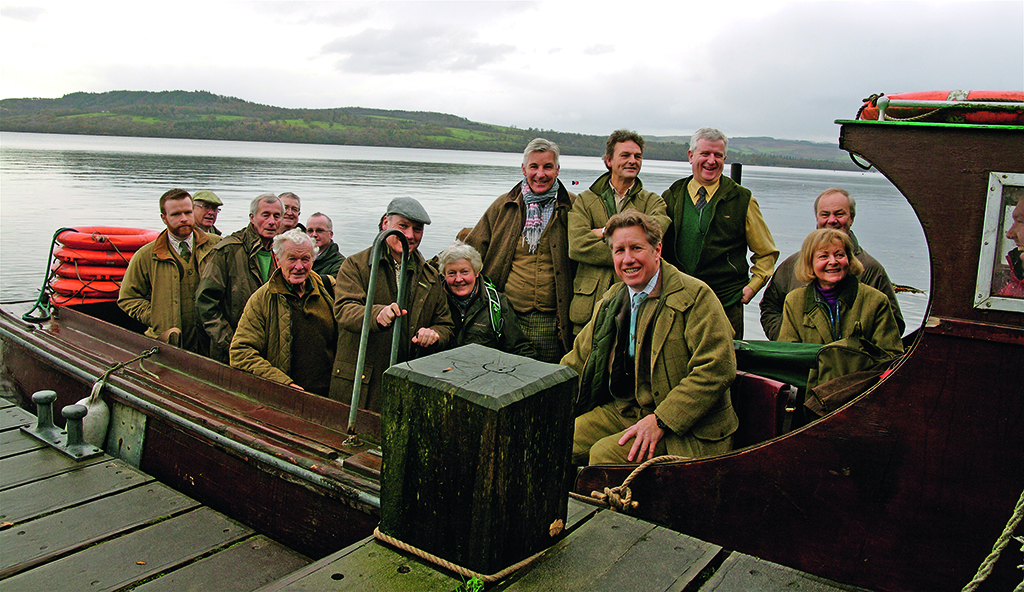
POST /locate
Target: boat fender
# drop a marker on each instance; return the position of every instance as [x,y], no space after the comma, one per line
[97,419]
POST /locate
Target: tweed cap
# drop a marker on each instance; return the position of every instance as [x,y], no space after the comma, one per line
[408,207]
[207,196]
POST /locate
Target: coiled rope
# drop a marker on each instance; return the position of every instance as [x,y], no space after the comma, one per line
[620,498]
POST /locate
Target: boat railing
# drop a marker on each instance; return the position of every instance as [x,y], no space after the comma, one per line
[364,336]
[884,103]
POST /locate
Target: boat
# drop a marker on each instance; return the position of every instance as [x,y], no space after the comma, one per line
[905,488]
[908,486]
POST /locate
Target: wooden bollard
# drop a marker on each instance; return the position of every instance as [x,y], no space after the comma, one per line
[476,446]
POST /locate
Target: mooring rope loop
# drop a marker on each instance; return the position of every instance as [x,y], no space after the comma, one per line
[620,498]
[452,567]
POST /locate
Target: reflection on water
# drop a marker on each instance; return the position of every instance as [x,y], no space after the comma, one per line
[52,181]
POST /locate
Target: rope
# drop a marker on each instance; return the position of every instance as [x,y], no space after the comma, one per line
[462,571]
[1004,539]
[620,499]
[42,303]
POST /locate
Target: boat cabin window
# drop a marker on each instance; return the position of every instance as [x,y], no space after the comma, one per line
[1000,271]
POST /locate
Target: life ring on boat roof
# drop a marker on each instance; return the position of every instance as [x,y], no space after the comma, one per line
[77,271]
[62,300]
[981,107]
[106,238]
[93,258]
[85,288]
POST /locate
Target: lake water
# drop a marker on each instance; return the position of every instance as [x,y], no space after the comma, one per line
[49,181]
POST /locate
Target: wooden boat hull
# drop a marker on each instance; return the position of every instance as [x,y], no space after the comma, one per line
[286,479]
[907,487]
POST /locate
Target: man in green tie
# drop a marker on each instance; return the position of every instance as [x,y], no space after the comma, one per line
[655,361]
[160,284]
[714,221]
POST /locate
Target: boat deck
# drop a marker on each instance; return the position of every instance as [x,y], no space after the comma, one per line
[101,524]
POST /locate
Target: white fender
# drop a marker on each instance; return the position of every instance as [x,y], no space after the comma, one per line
[97,420]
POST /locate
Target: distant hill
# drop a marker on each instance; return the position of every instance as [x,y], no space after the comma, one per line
[204,115]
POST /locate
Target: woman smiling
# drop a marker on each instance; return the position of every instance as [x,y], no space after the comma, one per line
[835,306]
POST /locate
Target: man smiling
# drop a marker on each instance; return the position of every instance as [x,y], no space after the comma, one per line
[523,240]
[240,264]
[714,222]
[655,361]
[617,190]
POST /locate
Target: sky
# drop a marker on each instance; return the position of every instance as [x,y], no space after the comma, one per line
[750,68]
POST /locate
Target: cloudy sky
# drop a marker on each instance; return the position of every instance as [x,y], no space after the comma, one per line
[752,68]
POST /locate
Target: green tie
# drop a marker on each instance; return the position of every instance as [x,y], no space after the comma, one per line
[186,254]
[702,198]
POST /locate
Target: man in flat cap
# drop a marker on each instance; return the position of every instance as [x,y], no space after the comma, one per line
[206,206]
[427,327]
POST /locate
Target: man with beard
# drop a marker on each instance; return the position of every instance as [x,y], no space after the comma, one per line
[160,284]
[240,264]
[615,191]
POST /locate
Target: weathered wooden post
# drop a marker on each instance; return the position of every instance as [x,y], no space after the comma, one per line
[476,446]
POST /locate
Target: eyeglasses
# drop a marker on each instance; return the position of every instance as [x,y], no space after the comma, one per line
[291,209]
[207,206]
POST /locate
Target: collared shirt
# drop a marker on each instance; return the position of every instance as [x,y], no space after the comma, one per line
[176,242]
[620,198]
[647,289]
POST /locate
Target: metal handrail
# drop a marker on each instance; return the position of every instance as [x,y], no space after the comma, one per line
[364,336]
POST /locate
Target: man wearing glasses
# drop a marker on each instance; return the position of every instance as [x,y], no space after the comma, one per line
[206,206]
[292,209]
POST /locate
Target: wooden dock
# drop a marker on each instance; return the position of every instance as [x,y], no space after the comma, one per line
[101,524]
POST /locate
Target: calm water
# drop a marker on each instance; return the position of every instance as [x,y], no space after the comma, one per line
[51,181]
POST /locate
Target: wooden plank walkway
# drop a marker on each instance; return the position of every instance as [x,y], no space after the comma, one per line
[603,552]
[101,524]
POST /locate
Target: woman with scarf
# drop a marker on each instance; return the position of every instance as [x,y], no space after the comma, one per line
[835,306]
[481,314]
[523,241]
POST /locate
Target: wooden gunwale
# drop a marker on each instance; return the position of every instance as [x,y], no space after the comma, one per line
[906,487]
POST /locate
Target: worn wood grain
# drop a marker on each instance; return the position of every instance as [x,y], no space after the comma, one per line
[614,552]
[742,573]
[14,442]
[69,488]
[134,557]
[12,417]
[367,566]
[38,541]
[244,566]
[38,464]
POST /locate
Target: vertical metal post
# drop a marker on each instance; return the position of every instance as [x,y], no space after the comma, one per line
[736,172]
[45,429]
[364,336]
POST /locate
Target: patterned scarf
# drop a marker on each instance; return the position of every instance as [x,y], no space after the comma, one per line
[538,212]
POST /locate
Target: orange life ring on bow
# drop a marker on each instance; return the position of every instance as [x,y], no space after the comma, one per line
[62,300]
[979,115]
[85,288]
[106,238]
[76,271]
[87,257]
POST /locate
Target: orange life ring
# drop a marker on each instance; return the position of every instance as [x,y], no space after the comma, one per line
[979,115]
[106,238]
[62,300]
[87,257]
[86,288]
[76,271]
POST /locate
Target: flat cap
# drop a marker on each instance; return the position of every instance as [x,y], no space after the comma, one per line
[408,207]
[207,196]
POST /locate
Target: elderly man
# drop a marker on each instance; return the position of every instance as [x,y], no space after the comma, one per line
[1015,281]
[292,209]
[714,222]
[833,208]
[240,264]
[655,361]
[159,287]
[427,327]
[523,239]
[287,331]
[328,260]
[207,207]
[615,191]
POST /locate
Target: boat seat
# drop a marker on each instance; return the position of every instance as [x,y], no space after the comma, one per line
[760,404]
